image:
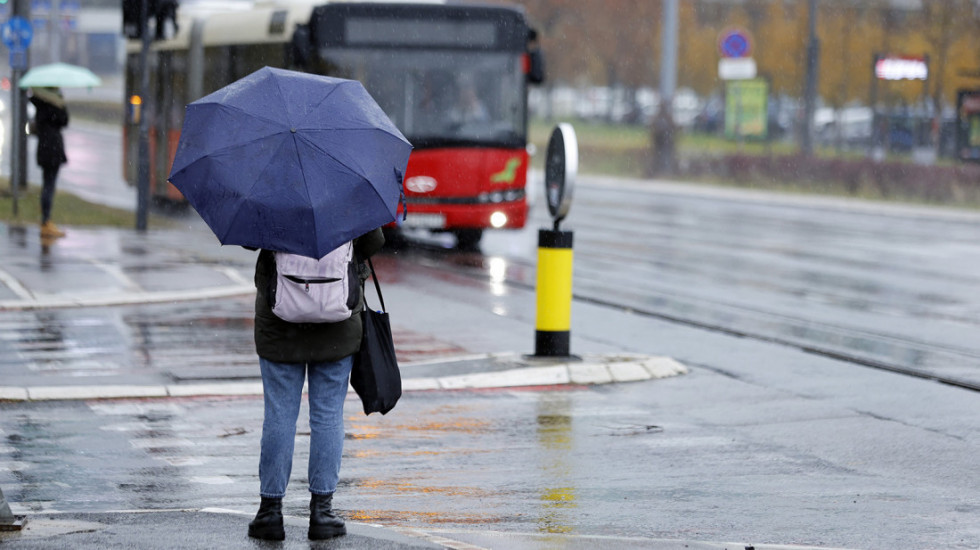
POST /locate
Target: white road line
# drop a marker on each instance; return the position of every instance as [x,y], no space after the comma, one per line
[50,301]
[117,274]
[235,276]
[14,285]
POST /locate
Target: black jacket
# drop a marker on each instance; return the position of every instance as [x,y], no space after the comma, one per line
[284,342]
[49,119]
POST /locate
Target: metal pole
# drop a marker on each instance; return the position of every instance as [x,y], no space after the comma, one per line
[668,65]
[663,124]
[18,119]
[54,32]
[143,185]
[810,93]
[16,128]
[873,104]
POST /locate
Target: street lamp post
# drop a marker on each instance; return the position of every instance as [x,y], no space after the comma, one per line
[810,92]
[18,43]
[143,185]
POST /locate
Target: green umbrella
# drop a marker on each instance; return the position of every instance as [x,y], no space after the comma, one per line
[59,75]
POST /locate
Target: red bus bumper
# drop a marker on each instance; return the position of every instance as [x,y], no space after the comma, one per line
[466,188]
[468,216]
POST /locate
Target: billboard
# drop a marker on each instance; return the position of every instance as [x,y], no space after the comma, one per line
[968,125]
[746,108]
[901,68]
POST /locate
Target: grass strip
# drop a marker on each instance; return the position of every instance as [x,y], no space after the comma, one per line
[68,209]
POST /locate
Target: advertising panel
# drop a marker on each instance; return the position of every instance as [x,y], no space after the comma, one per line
[746,108]
[968,125]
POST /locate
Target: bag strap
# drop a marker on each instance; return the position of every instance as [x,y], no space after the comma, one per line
[377,287]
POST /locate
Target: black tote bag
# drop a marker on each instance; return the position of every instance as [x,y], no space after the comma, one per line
[375,375]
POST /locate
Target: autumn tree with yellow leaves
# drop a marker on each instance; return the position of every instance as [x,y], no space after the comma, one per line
[616,43]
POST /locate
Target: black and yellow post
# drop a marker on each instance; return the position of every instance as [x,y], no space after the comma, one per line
[553,328]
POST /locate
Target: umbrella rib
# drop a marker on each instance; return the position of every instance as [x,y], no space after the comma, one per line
[330,93]
[335,88]
[248,113]
[231,147]
[342,163]
[239,211]
[306,184]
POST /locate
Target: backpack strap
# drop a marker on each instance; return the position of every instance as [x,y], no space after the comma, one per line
[377,286]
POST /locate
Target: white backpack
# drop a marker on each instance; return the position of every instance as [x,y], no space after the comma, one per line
[305,290]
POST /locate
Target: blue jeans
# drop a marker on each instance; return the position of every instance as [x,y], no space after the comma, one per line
[282,385]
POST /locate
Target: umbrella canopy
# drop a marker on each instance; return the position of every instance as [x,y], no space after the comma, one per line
[59,75]
[290,161]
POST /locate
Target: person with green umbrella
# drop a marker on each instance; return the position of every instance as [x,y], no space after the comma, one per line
[51,116]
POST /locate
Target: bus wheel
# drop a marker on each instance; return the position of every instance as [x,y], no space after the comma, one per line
[468,239]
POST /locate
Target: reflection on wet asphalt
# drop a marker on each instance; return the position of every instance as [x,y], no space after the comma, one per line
[438,460]
[189,341]
[650,459]
[133,344]
[879,284]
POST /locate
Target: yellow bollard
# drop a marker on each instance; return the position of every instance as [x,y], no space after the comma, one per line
[552,336]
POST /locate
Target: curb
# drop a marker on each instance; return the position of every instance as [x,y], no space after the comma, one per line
[123,299]
[591,370]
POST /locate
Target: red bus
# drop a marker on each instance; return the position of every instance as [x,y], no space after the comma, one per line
[452,76]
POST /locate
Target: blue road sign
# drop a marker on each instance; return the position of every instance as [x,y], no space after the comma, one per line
[735,43]
[17,33]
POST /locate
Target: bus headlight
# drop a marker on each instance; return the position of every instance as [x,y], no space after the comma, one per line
[498,220]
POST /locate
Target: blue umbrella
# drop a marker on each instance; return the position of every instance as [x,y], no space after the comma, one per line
[290,161]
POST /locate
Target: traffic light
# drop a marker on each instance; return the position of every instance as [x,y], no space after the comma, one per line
[135,22]
[163,11]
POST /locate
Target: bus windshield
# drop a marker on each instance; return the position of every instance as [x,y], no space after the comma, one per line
[440,97]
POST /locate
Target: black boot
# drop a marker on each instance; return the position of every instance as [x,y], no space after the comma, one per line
[324,524]
[268,521]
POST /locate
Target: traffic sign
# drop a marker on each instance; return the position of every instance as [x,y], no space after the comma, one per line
[17,33]
[560,171]
[736,68]
[734,43]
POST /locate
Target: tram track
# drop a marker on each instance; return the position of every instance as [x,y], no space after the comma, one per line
[751,323]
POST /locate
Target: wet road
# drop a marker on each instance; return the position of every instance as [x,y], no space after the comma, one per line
[879,285]
[699,457]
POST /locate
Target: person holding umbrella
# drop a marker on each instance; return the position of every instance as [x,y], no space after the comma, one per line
[51,115]
[322,354]
[288,162]
[45,83]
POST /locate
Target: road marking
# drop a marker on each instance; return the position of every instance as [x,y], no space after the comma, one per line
[14,285]
[117,273]
[50,301]
[235,276]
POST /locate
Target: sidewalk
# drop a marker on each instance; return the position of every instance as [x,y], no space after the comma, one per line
[217,528]
[103,267]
